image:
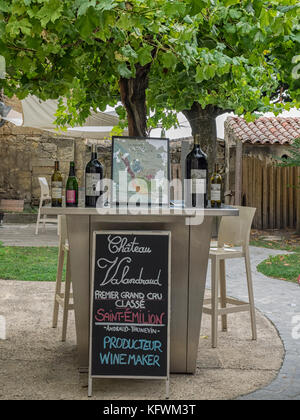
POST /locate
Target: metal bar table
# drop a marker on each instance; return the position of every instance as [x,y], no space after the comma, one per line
[191,235]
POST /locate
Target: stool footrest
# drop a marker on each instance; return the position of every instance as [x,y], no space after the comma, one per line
[240,306]
[60,299]
[48,220]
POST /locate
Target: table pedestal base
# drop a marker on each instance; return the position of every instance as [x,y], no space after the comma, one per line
[189,256]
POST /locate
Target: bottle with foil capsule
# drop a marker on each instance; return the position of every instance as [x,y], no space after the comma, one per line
[216,188]
[72,188]
[56,187]
[196,176]
[93,177]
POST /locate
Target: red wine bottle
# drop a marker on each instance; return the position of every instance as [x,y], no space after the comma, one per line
[93,177]
[196,174]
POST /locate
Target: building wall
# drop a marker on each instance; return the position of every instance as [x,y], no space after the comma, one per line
[26,154]
[263,184]
[267,153]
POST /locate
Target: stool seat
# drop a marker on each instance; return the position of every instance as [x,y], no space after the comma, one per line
[225,253]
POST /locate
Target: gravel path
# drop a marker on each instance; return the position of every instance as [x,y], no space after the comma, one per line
[280,302]
[34,364]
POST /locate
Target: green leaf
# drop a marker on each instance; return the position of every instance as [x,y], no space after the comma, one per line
[277,27]
[235,13]
[259,37]
[244,27]
[296,37]
[144,55]
[87,23]
[106,5]
[125,22]
[196,6]
[169,60]
[51,11]
[174,8]
[264,18]
[128,51]
[209,71]
[13,27]
[84,5]
[154,27]
[25,26]
[199,74]
[4,6]
[124,71]
[2,29]
[230,2]
[231,29]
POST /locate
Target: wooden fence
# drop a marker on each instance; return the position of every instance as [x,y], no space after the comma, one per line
[271,189]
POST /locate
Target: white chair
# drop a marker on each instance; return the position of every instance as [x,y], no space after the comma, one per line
[61,298]
[45,196]
[233,230]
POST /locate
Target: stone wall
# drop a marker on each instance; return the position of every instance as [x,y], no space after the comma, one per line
[176,151]
[26,154]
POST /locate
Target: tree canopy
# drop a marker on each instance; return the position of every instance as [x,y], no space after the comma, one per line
[90,51]
[241,60]
[199,56]
[241,53]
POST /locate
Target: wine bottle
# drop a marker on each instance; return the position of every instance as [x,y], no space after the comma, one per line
[197,175]
[215,188]
[93,176]
[56,186]
[72,188]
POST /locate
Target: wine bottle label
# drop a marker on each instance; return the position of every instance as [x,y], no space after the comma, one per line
[71,196]
[56,189]
[92,189]
[215,192]
[198,177]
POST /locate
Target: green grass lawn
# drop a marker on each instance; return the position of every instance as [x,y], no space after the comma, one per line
[40,263]
[283,267]
[292,245]
[28,263]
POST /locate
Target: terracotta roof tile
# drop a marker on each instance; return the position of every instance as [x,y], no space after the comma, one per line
[265,129]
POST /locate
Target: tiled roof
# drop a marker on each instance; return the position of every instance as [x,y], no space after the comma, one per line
[265,130]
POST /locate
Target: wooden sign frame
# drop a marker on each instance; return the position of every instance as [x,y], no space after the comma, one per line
[137,233]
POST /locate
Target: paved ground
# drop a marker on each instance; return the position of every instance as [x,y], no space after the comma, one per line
[34,364]
[280,302]
[24,235]
[239,366]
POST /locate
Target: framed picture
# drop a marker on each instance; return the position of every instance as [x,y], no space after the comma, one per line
[140,171]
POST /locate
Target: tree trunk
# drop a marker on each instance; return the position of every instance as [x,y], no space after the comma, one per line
[203,122]
[133,96]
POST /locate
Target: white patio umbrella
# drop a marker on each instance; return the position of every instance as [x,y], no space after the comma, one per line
[41,115]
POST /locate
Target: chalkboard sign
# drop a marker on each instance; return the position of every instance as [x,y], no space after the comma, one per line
[130,305]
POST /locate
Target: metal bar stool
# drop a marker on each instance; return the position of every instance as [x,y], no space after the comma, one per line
[234,231]
[63,298]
